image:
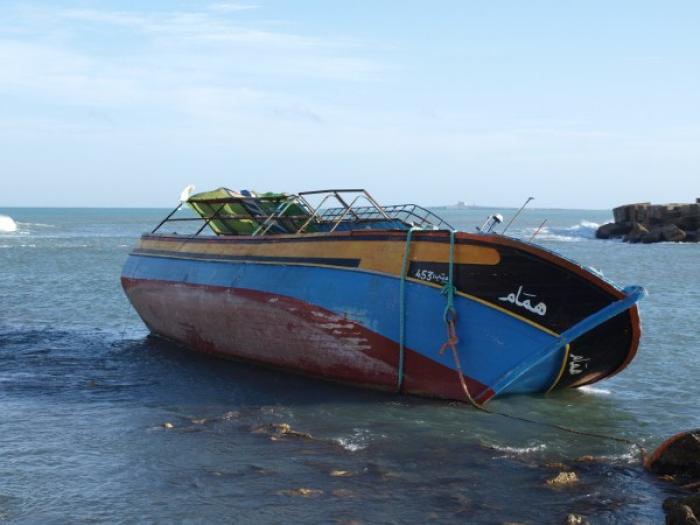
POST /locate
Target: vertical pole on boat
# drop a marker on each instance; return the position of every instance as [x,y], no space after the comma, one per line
[516,215]
[538,230]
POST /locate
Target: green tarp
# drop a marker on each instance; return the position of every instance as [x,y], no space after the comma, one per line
[242,214]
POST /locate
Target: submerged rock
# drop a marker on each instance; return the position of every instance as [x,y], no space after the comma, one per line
[590,459]
[280,429]
[301,491]
[563,479]
[344,493]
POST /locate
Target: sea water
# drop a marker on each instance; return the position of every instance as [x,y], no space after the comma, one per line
[85,396]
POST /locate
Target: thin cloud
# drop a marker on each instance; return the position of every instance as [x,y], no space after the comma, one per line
[231,7]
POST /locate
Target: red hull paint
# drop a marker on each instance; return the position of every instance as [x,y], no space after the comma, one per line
[286,333]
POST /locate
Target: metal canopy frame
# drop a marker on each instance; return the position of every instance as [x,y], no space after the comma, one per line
[369,212]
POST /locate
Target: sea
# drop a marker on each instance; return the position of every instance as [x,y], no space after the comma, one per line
[102,423]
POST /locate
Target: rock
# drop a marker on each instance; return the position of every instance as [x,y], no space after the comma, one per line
[653,236]
[590,459]
[693,487]
[682,511]
[343,493]
[692,236]
[604,231]
[301,491]
[636,233]
[672,233]
[647,223]
[632,212]
[574,519]
[612,230]
[563,479]
[168,425]
[556,465]
[678,456]
[280,429]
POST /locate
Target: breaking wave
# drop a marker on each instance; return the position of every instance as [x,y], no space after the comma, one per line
[7,224]
[358,441]
[582,230]
[518,451]
[36,224]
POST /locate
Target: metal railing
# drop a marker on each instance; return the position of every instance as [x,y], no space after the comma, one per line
[323,218]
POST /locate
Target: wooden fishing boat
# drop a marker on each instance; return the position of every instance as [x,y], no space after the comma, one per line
[386,297]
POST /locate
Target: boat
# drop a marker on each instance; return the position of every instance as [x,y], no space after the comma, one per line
[331,284]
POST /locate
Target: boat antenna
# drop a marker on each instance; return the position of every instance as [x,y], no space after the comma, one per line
[537,230]
[516,215]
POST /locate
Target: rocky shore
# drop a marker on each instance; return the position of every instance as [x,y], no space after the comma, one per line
[648,223]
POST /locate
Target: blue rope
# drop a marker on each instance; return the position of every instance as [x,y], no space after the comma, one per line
[402,308]
[450,313]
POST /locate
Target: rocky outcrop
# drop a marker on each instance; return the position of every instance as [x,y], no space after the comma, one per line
[678,457]
[647,223]
[678,460]
[682,511]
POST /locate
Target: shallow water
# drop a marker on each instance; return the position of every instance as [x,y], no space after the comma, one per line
[84,394]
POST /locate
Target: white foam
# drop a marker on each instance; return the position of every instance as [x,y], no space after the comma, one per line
[594,390]
[629,457]
[519,451]
[7,224]
[582,230]
[349,445]
[358,441]
[36,224]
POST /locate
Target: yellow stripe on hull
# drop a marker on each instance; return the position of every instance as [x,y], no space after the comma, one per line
[383,256]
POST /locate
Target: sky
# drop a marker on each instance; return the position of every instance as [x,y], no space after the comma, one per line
[580,104]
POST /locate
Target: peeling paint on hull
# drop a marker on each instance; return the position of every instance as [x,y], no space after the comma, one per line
[285,333]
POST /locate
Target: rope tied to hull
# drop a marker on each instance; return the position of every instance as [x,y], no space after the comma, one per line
[451,343]
[450,314]
[450,318]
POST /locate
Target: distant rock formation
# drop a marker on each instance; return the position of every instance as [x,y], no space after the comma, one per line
[647,223]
